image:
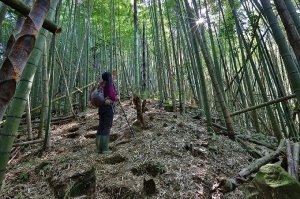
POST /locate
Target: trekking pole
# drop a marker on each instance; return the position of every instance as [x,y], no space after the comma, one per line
[131,130]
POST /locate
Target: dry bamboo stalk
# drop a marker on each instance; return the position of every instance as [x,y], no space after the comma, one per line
[296,151]
[261,161]
[290,160]
[29,142]
[14,154]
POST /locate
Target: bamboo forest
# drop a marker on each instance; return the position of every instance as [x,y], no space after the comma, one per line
[117,99]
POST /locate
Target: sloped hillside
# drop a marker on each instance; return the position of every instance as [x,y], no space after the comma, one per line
[174,157]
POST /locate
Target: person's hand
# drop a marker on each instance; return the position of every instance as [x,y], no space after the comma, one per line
[108,101]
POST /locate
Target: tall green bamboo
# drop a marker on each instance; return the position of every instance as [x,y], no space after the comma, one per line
[290,65]
[72,54]
[168,63]
[144,73]
[8,132]
[87,63]
[293,12]
[271,115]
[215,58]
[112,35]
[179,79]
[273,78]
[185,37]
[136,57]
[233,63]
[68,94]
[290,27]
[247,79]
[47,142]
[45,101]
[28,119]
[210,67]
[200,69]
[158,55]
[3,10]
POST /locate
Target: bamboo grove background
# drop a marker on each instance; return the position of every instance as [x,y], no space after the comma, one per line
[218,56]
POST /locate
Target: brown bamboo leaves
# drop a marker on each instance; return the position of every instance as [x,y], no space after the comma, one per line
[18,56]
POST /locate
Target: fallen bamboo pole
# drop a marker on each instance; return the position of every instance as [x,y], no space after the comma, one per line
[14,154]
[24,10]
[261,161]
[263,104]
[229,184]
[62,97]
[53,120]
[56,99]
[28,143]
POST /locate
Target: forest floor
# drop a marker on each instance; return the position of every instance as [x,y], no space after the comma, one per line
[175,153]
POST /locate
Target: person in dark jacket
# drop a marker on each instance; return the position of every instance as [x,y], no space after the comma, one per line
[106,113]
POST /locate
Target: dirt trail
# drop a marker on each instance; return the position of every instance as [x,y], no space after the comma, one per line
[175,152]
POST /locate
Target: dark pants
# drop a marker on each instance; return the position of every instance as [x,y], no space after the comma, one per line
[106,114]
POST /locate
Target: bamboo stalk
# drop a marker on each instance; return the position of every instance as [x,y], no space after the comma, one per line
[296,151]
[62,97]
[14,154]
[56,99]
[53,119]
[65,81]
[28,119]
[28,143]
[261,161]
[290,27]
[290,66]
[24,10]
[11,71]
[289,156]
[263,104]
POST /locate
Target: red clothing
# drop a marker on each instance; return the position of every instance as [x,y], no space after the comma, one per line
[110,91]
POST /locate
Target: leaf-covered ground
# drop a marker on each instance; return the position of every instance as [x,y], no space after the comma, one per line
[175,151]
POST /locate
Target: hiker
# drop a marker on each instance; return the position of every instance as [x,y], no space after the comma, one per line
[106,113]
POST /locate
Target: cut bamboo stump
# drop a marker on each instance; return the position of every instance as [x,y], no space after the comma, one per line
[290,160]
[296,151]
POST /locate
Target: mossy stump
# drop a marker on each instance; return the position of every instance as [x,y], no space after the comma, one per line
[273,182]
